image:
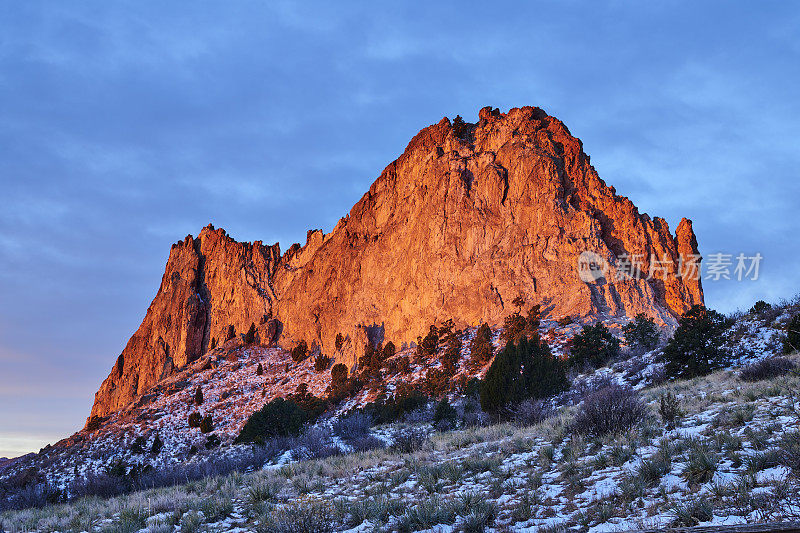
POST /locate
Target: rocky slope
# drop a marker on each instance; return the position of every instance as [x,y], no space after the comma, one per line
[468,218]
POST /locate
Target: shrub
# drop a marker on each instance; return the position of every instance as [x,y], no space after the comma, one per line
[316,443]
[791,343]
[670,409]
[612,409]
[339,342]
[767,368]
[278,418]
[207,424]
[481,349]
[790,451]
[339,373]
[445,415]
[520,371]
[692,512]
[695,347]
[593,347]
[304,516]
[230,333]
[700,466]
[198,396]
[138,444]
[388,350]
[353,426]
[530,412]
[250,336]
[259,370]
[300,351]
[156,446]
[565,321]
[642,333]
[321,363]
[408,440]
[759,307]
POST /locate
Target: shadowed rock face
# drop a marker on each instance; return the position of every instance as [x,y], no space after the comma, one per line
[469,217]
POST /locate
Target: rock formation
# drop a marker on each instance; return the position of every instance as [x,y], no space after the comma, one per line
[468,218]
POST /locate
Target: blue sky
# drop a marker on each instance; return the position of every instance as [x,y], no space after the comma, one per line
[125,126]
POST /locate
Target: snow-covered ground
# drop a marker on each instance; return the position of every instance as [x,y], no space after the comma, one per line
[723,463]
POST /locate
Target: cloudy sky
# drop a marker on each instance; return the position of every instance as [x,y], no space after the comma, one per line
[125,126]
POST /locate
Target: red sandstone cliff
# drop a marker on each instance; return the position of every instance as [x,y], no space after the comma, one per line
[469,217]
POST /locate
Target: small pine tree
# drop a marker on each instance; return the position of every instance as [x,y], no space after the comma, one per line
[642,333]
[365,362]
[759,307]
[593,347]
[213,343]
[388,350]
[231,333]
[156,446]
[481,349]
[194,419]
[338,374]
[791,342]
[300,351]
[278,418]
[207,424]
[339,342]
[250,336]
[695,348]
[198,396]
[452,353]
[321,362]
[259,370]
[520,371]
[445,414]
[429,344]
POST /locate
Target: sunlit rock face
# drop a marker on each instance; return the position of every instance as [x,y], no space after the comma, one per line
[467,219]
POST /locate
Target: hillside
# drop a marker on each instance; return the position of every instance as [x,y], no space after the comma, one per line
[729,456]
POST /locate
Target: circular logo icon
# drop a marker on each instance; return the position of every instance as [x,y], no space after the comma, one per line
[591,266]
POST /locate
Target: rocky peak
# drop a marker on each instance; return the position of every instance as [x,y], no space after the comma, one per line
[469,217]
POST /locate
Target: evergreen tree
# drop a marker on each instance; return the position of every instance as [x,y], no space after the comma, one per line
[198,396]
[259,370]
[207,424]
[339,342]
[791,343]
[156,446]
[642,333]
[429,344]
[481,349]
[520,371]
[593,347]
[250,336]
[231,333]
[213,343]
[300,351]
[194,419]
[696,347]
[278,418]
